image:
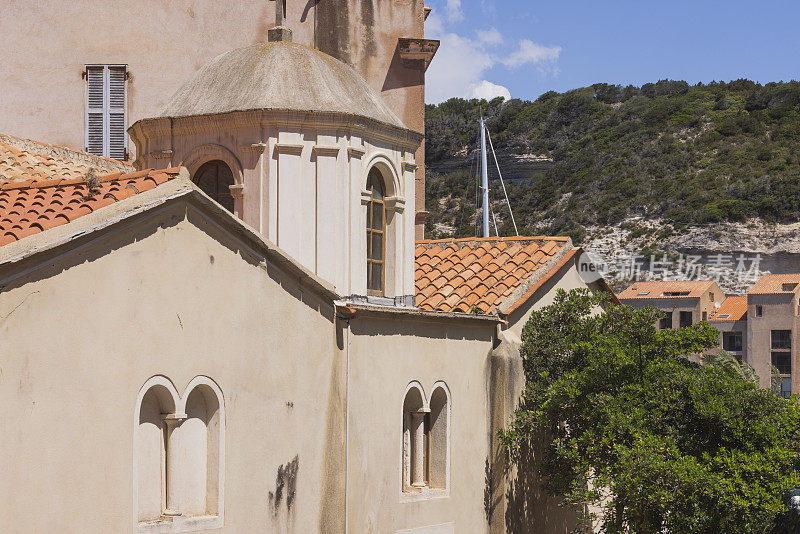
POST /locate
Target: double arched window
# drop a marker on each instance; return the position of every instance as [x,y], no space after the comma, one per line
[426,439]
[376,234]
[215,179]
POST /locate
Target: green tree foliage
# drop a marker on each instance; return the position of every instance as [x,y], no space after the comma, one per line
[691,154]
[656,442]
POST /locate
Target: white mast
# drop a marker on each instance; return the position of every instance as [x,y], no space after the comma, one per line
[484,179]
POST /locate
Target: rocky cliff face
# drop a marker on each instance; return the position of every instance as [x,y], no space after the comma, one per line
[734,254]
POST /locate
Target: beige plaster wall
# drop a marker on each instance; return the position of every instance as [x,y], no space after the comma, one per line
[779,314]
[386,355]
[45,46]
[180,297]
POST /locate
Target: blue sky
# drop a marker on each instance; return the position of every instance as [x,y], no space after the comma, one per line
[525,48]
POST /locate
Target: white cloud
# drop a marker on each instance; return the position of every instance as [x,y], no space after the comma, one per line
[453,11]
[457,67]
[460,67]
[530,52]
[490,37]
[489,91]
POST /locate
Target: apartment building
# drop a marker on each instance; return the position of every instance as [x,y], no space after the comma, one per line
[772,329]
[685,303]
[731,321]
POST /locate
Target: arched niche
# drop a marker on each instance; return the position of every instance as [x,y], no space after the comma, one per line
[200,441]
[157,398]
[413,458]
[439,437]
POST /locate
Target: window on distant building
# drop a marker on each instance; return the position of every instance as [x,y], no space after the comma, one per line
[685,319]
[666,321]
[732,341]
[782,358]
[759,311]
[705,315]
[676,293]
[788,287]
[105,120]
[376,233]
[781,339]
[215,179]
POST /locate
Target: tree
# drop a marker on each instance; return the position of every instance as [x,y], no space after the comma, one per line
[654,441]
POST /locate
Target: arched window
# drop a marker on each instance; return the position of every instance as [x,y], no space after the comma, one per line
[376,234]
[439,438]
[215,179]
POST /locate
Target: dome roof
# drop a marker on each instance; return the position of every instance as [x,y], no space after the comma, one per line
[278,75]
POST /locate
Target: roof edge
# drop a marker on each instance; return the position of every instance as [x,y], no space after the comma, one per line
[527,288]
[177,188]
[349,310]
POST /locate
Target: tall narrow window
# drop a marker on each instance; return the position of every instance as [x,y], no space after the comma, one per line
[215,179]
[666,321]
[376,234]
[685,319]
[105,111]
[781,343]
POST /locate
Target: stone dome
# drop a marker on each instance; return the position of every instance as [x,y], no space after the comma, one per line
[280,76]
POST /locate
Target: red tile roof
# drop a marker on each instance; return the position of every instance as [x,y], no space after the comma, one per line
[657,289]
[34,206]
[732,309]
[461,275]
[23,159]
[775,283]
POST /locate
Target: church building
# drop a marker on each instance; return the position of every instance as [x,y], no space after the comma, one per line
[241,330]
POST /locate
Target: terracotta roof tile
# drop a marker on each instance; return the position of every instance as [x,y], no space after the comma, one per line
[462,273]
[776,283]
[42,162]
[732,309]
[666,289]
[30,207]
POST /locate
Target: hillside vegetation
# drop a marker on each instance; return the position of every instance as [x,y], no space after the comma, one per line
[690,155]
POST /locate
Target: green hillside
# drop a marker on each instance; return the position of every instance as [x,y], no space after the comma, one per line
[688,154]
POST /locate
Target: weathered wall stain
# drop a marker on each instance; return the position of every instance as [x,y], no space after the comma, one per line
[285,482]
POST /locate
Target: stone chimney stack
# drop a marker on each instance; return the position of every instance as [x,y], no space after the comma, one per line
[279,32]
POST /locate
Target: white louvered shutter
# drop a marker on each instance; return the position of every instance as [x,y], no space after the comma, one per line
[116,113]
[95,112]
[105,111]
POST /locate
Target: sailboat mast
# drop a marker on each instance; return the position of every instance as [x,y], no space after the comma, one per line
[484,179]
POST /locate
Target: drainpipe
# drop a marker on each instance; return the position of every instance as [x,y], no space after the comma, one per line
[346,313]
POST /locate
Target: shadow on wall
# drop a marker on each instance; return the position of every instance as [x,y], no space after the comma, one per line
[529,507]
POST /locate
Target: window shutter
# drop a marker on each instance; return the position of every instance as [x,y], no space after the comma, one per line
[116,113]
[94,110]
[105,111]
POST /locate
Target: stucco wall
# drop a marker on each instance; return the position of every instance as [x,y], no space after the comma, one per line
[386,355]
[778,314]
[181,298]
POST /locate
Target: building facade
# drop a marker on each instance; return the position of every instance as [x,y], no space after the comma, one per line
[241,334]
[684,303]
[79,75]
